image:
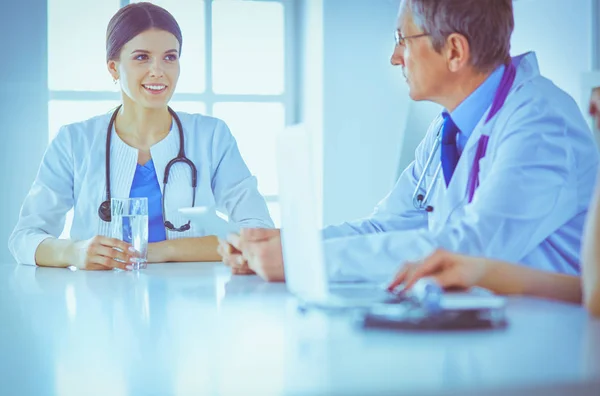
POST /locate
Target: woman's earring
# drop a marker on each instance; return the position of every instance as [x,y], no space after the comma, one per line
[115,80]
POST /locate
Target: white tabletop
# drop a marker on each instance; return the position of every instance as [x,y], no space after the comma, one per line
[185,329]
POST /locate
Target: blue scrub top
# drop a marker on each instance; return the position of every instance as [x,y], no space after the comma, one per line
[145,184]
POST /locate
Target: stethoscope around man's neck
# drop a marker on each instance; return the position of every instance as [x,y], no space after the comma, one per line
[104,211]
[420,200]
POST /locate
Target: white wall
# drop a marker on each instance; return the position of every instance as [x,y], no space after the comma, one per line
[364,106]
[23,107]
[560,32]
[595,15]
[309,15]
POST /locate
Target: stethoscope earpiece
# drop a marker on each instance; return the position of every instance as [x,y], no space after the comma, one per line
[104,211]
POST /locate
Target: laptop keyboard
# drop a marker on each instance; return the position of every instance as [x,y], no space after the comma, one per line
[363,293]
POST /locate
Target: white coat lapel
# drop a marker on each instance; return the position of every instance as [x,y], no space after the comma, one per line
[94,180]
[123,161]
[456,192]
[178,192]
[163,152]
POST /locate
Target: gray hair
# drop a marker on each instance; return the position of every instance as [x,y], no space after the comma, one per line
[486,24]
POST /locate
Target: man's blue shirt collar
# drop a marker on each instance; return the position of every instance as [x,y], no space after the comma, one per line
[468,114]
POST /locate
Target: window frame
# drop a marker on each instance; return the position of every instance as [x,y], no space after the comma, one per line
[209,97]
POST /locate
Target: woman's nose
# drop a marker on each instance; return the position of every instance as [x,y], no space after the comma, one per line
[156,69]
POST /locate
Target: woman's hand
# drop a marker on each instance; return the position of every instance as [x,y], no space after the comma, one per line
[101,253]
[450,270]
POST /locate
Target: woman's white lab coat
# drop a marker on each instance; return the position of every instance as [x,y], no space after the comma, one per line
[536,182]
[72,175]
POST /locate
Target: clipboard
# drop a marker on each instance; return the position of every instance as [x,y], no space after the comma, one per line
[429,308]
[420,319]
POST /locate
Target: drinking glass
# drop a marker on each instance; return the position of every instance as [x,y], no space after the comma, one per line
[129,223]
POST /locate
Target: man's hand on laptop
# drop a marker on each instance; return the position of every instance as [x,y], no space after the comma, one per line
[261,249]
[233,258]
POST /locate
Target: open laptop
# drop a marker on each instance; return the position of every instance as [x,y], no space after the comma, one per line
[305,268]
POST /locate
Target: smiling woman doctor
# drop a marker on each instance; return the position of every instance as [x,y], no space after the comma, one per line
[142,149]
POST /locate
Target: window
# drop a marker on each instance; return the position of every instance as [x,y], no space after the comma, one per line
[235,65]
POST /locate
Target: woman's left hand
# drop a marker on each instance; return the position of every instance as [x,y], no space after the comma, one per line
[450,270]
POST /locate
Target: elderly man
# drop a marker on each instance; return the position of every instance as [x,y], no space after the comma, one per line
[507,171]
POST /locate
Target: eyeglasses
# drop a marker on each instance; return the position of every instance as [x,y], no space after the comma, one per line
[400,39]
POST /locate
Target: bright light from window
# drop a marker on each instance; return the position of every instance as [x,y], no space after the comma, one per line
[64,112]
[189,107]
[275,211]
[248,47]
[77,44]
[255,127]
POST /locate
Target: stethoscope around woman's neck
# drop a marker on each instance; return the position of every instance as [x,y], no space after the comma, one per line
[104,211]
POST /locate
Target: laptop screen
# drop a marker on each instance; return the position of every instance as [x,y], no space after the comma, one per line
[305,271]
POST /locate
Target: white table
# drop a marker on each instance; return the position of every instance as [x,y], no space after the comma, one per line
[192,329]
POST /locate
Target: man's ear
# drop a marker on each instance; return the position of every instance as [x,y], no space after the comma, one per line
[457,51]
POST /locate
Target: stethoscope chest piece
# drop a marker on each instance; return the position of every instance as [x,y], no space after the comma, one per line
[104,211]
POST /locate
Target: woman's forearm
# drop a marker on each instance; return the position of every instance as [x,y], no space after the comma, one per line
[590,265]
[54,252]
[591,272]
[185,249]
[506,278]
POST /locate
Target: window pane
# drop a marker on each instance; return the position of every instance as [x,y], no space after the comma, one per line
[189,107]
[77,44]
[248,47]
[63,112]
[190,17]
[275,211]
[255,127]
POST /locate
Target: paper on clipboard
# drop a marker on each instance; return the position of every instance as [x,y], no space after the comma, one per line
[211,220]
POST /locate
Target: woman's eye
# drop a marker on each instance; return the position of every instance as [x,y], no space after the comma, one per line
[141,57]
[171,58]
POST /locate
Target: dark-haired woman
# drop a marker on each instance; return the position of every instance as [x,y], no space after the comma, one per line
[126,153]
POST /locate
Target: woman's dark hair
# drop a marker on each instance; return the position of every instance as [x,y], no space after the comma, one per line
[134,19]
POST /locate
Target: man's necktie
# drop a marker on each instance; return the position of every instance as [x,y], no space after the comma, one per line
[449,150]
